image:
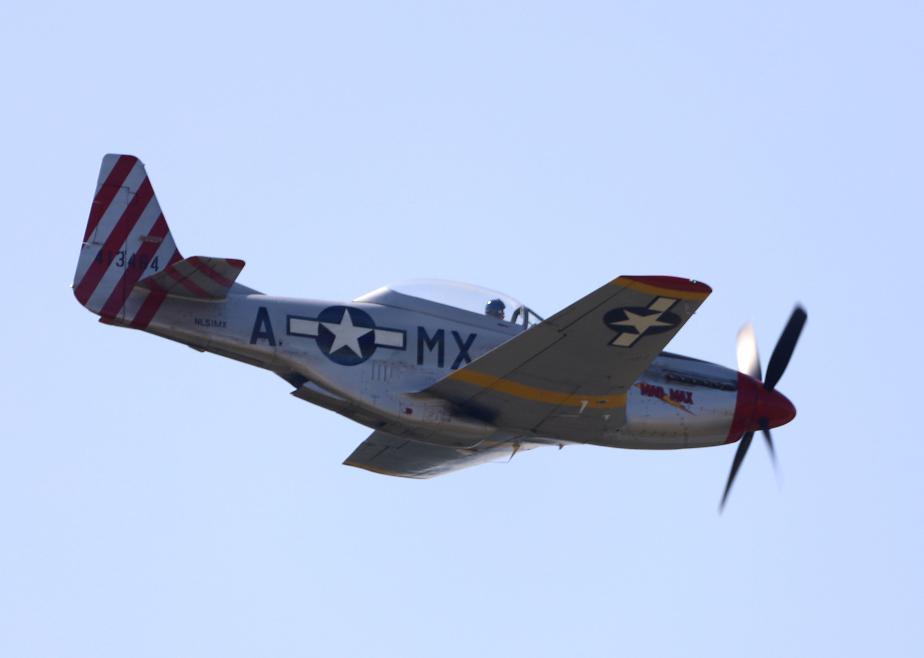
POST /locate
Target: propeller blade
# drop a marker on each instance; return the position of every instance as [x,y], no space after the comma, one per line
[742,450]
[746,347]
[784,348]
[769,440]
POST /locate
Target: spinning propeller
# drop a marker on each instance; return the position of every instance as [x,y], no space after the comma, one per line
[760,406]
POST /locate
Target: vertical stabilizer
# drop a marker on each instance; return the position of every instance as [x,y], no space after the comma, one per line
[126,239]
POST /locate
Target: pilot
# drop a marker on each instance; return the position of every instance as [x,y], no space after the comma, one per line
[495,308]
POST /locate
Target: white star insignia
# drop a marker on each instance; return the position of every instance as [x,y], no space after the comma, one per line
[641,323]
[346,334]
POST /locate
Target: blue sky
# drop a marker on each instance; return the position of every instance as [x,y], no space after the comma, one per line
[159,502]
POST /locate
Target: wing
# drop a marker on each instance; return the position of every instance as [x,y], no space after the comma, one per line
[394,455]
[569,375]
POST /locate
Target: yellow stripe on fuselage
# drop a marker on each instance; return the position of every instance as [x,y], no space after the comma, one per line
[534,394]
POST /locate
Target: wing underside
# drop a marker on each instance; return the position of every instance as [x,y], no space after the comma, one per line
[394,455]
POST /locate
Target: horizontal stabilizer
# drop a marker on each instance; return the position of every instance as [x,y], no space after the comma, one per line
[198,277]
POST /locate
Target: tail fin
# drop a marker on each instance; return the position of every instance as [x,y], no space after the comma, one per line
[126,238]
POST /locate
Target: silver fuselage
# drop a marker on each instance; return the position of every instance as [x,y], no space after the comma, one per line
[677,403]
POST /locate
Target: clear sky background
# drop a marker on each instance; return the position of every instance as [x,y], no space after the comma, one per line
[159,502]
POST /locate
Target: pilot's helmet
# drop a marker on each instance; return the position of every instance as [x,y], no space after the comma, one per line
[495,308]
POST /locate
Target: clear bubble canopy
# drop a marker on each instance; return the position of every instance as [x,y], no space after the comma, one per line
[457,294]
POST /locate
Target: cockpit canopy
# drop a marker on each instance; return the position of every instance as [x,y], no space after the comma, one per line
[464,296]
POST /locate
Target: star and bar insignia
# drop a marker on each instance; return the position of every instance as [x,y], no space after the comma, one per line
[347,336]
[632,322]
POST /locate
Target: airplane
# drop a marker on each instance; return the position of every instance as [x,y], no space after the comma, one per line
[438,370]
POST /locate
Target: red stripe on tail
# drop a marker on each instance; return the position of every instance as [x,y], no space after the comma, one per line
[107,191]
[190,285]
[142,258]
[114,240]
[148,308]
[151,303]
[215,276]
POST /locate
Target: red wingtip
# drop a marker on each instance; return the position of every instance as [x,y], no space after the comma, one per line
[673,283]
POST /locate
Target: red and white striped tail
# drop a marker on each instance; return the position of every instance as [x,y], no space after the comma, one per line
[127,239]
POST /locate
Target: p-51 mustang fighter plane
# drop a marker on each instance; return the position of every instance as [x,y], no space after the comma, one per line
[441,373]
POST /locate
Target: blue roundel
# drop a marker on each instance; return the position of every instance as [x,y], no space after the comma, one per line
[346,335]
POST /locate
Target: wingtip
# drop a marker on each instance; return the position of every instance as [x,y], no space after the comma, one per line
[666,285]
[672,283]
